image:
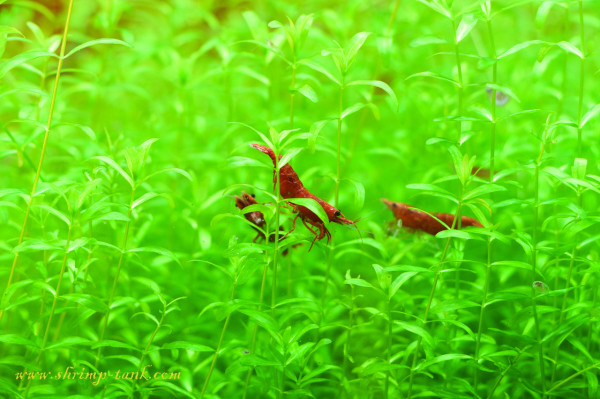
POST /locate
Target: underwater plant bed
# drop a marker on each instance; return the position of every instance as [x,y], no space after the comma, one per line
[316,199]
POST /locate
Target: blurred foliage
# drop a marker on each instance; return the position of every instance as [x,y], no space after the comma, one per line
[133,252]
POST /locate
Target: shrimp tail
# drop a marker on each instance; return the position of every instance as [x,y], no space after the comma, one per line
[267,151]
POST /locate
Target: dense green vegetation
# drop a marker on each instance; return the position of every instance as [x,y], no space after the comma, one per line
[125,136]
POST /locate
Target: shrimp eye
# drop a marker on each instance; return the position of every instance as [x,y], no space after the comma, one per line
[253,195]
[394,204]
[337,213]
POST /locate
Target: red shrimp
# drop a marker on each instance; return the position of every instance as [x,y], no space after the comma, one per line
[418,220]
[256,218]
[290,186]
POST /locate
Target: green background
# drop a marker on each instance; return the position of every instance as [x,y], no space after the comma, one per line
[144,138]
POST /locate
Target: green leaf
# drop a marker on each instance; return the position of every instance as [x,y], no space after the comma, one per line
[426,40]
[114,344]
[443,358]
[17,339]
[356,43]
[504,90]
[34,244]
[262,319]
[484,112]
[144,198]
[433,189]
[117,168]
[420,331]
[69,342]
[257,27]
[515,264]
[377,83]
[437,6]
[486,8]
[261,135]
[22,58]
[307,91]
[89,301]
[149,316]
[433,75]
[579,168]
[569,48]
[466,25]
[483,190]
[359,282]
[351,110]
[289,155]
[319,370]
[275,25]
[187,346]
[157,250]
[255,360]
[463,235]
[360,193]
[170,170]
[256,207]
[592,113]
[399,282]
[318,68]
[95,42]
[9,30]
[457,161]
[312,205]
[519,47]
[85,129]
[453,305]
[113,216]
[55,212]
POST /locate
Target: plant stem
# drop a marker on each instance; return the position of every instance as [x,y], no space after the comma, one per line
[389,344]
[281,390]
[562,310]
[214,361]
[536,201]
[493,111]
[460,83]
[456,224]
[563,382]
[327,273]
[503,374]
[392,17]
[253,346]
[293,88]
[53,308]
[486,285]
[565,80]
[276,242]
[339,145]
[116,279]
[427,308]
[72,289]
[158,326]
[43,301]
[581,80]
[289,278]
[43,151]
[433,288]
[347,345]
[594,304]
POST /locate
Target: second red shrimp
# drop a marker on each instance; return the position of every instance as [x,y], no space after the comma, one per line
[418,220]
